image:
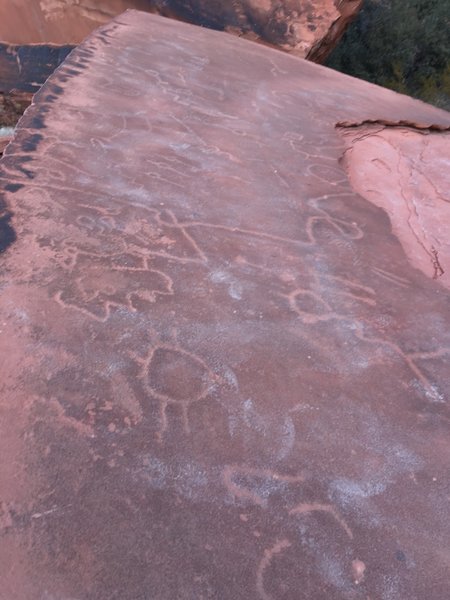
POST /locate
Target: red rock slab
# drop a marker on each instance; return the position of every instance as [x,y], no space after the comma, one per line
[222,373]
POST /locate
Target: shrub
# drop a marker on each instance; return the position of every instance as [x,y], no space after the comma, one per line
[400,44]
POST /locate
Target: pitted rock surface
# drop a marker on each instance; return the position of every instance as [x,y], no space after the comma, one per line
[223,375]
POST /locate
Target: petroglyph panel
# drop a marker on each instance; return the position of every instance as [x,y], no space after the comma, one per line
[221,376]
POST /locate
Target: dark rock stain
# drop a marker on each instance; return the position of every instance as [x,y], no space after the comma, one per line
[37,122]
[13,187]
[30,144]
[72,71]
[26,68]
[7,233]
[56,89]
[399,555]
[19,165]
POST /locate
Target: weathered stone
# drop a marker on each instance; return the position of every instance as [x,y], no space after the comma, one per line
[25,68]
[223,375]
[323,46]
[37,39]
[307,28]
[12,107]
[57,22]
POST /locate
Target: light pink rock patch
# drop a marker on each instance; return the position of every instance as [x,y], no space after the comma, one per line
[406,172]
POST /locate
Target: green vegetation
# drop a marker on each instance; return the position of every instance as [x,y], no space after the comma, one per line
[400,44]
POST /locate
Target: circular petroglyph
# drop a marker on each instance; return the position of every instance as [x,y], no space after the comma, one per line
[175,376]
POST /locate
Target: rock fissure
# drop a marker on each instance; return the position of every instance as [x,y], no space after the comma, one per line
[386,123]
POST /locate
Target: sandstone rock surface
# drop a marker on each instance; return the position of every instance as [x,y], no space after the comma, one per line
[58,22]
[222,372]
[307,28]
[406,171]
[24,69]
[35,39]
[300,26]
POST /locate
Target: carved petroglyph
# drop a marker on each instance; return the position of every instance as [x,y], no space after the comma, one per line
[269,482]
[321,149]
[244,232]
[101,280]
[345,229]
[53,407]
[305,508]
[314,305]
[143,231]
[256,486]
[348,230]
[126,399]
[351,289]
[429,389]
[174,376]
[329,175]
[269,554]
[390,277]
[244,484]
[312,308]
[96,290]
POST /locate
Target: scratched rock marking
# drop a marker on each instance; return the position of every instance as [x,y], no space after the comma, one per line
[174,376]
[312,308]
[116,268]
[256,486]
[265,562]
[95,290]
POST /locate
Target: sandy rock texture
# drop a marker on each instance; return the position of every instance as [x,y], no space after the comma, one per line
[223,362]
